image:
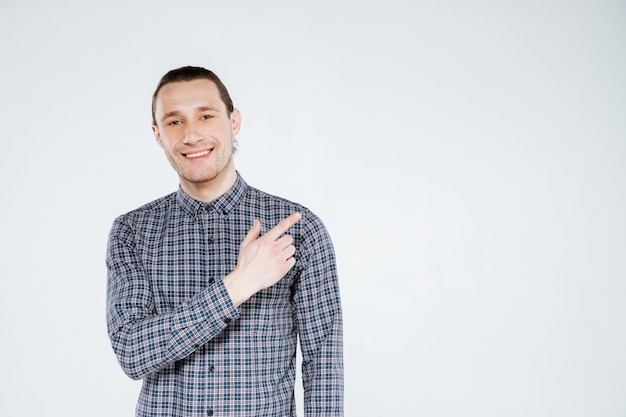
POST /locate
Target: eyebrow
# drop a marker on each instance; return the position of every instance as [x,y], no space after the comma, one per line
[198,109]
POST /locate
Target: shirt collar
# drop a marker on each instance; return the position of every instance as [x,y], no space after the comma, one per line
[223,204]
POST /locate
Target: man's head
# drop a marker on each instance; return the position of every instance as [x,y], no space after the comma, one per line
[195,123]
[189,73]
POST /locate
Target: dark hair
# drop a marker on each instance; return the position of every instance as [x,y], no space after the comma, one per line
[190,74]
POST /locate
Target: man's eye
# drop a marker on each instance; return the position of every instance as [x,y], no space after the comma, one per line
[175,122]
[207,117]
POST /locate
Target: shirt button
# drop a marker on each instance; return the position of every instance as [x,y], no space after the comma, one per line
[209,413]
[211,280]
[210,240]
[211,368]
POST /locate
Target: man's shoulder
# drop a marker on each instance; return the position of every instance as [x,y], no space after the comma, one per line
[278,207]
[272,203]
[154,208]
[265,197]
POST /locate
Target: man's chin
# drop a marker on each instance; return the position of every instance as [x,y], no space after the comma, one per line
[198,180]
[203,178]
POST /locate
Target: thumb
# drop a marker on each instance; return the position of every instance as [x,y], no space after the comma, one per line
[252,234]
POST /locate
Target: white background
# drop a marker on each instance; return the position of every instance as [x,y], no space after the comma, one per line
[467,157]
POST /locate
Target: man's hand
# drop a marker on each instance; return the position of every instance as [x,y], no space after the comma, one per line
[262,261]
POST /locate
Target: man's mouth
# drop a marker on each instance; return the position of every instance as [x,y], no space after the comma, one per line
[197,154]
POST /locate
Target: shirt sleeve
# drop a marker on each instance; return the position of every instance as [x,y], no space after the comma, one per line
[319,320]
[143,340]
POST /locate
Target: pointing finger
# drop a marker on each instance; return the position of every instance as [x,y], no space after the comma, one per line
[283,225]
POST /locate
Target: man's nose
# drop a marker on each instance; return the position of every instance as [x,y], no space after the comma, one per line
[192,134]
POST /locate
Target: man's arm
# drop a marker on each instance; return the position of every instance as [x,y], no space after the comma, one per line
[146,342]
[319,319]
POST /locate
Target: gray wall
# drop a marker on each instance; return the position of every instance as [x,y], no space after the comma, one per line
[468,158]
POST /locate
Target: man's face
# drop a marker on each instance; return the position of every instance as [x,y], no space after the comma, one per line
[195,131]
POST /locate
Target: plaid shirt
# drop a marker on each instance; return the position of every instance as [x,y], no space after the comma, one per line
[172,323]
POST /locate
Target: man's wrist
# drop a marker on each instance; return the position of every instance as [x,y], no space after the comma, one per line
[237,291]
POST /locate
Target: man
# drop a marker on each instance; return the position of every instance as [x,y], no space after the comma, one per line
[206,293]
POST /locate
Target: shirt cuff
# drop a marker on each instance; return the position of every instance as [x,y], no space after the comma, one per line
[217,304]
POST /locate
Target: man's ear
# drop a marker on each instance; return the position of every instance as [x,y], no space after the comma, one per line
[157,135]
[235,121]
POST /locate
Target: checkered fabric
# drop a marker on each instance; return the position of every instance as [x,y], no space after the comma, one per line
[171,322]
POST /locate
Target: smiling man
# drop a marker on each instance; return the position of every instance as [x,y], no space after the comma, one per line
[207,293]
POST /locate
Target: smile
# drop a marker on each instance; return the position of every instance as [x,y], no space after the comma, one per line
[198,154]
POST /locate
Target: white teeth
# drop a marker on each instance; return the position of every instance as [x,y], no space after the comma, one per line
[197,154]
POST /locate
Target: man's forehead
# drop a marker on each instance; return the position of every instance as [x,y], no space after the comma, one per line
[197,93]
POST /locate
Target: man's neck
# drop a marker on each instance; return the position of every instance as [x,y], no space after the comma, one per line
[210,190]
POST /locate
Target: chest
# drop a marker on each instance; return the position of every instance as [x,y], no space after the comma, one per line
[190,253]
